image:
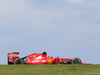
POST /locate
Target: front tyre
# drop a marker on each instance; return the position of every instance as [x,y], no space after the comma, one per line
[76,61]
[18,61]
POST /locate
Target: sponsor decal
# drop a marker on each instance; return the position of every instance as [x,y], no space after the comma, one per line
[35,61]
[34,56]
[9,54]
[13,55]
[60,60]
[43,61]
[50,61]
[39,57]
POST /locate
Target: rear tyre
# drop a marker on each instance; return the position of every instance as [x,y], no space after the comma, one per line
[76,61]
[18,61]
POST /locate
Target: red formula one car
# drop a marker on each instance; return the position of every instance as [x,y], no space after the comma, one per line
[41,58]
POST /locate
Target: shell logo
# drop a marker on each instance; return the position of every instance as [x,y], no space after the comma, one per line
[9,54]
[50,61]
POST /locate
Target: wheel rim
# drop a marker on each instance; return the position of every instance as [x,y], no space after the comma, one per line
[76,61]
[18,61]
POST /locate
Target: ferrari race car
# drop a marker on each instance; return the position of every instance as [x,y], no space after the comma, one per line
[41,58]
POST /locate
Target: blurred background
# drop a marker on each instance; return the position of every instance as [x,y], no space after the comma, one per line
[64,28]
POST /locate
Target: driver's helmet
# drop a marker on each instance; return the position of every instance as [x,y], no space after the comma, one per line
[44,53]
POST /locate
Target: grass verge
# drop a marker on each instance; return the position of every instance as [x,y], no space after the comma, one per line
[49,69]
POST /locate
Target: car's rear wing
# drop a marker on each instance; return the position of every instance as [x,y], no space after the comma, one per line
[12,56]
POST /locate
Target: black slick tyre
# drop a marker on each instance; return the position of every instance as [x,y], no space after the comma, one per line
[18,61]
[76,61]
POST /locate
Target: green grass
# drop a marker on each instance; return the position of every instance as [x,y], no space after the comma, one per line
[49,69]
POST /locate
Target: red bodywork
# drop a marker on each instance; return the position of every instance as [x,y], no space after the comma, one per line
[38,58]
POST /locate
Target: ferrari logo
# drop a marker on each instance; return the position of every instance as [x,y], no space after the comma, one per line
[60,60]
[34,56]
